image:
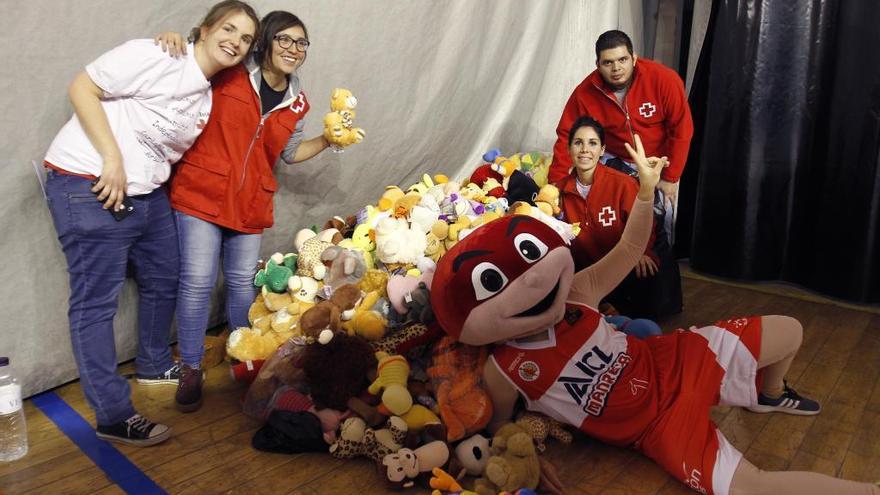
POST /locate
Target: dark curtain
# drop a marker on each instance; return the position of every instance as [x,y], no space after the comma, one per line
[783,181]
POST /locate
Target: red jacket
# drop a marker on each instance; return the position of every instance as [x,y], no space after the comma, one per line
[655,107]
[226,177]
[602,215]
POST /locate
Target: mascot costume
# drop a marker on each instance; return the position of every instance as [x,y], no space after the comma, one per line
[512,283]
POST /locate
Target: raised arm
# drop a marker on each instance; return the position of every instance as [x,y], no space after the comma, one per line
[85,96]
[591,284]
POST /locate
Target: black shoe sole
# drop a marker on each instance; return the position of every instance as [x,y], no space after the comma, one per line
[147,442]
[188,408]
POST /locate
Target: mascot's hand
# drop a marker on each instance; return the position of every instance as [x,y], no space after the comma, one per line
[649,170]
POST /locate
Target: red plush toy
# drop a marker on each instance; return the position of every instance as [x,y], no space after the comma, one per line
[482,174]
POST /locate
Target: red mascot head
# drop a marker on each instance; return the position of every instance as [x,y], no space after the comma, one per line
[507,279]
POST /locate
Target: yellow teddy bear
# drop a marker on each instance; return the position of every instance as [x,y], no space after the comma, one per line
[338,123]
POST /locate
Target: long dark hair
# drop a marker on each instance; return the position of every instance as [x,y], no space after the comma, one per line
[272,24]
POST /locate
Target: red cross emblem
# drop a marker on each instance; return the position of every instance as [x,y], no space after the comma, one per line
[607,216]
[298,104]
[647,109]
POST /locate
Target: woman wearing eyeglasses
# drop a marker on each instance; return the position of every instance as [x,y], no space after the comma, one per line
[223,186]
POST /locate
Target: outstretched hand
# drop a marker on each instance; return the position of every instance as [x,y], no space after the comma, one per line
[649,170]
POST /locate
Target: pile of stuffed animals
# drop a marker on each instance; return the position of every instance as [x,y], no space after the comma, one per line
[343,348]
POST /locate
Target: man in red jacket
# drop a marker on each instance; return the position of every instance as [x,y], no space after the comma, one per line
[630,95]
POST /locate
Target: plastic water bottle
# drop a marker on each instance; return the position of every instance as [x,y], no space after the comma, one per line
[13,430]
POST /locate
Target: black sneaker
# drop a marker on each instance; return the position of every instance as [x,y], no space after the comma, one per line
[789,402]
[171,376]
[189,391]
[136,430]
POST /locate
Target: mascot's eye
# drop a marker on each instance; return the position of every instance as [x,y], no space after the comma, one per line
[488,280]
[529,247]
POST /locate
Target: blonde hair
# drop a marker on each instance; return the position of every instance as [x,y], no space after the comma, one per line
[220,11]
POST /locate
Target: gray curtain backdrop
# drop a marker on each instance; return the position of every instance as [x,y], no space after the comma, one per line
[438,83]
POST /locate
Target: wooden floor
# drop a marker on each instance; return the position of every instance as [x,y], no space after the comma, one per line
[210,451]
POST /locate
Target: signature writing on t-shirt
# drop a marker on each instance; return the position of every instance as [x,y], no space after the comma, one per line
[169,135]
[188,99]
[152,150]
[178,131]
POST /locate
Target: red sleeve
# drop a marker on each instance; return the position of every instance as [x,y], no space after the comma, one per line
[679,125]
[561,164]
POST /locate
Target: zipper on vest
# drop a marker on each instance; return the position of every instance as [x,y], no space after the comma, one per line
[622,108]
[250,148]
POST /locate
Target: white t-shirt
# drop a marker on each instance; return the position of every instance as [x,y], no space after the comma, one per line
[156,106]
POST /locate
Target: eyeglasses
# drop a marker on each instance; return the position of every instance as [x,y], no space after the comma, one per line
[285,42]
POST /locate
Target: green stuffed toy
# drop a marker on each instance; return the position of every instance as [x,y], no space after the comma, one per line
[274,276]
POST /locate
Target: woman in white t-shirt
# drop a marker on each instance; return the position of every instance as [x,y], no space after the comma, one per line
[137,112]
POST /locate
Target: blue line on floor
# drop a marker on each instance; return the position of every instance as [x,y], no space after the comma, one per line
[117,467]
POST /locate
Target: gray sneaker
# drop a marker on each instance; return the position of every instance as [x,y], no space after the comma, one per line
[790,402]
[136,430]
[171,376]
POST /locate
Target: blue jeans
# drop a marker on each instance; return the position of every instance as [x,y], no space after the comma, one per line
[98,251]
[202,244]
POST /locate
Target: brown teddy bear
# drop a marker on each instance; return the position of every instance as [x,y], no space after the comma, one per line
[320,322]
[513,465]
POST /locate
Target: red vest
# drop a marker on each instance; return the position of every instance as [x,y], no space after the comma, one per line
[226,177]
[602,215]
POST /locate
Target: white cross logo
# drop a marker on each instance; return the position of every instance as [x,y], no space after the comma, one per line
[647,109]
[607,216]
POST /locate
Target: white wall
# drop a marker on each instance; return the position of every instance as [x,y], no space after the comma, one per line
[439,82]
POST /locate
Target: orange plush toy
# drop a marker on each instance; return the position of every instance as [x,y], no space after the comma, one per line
[456,371]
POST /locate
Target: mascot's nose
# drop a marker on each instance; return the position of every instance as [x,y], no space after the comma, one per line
[533,279]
